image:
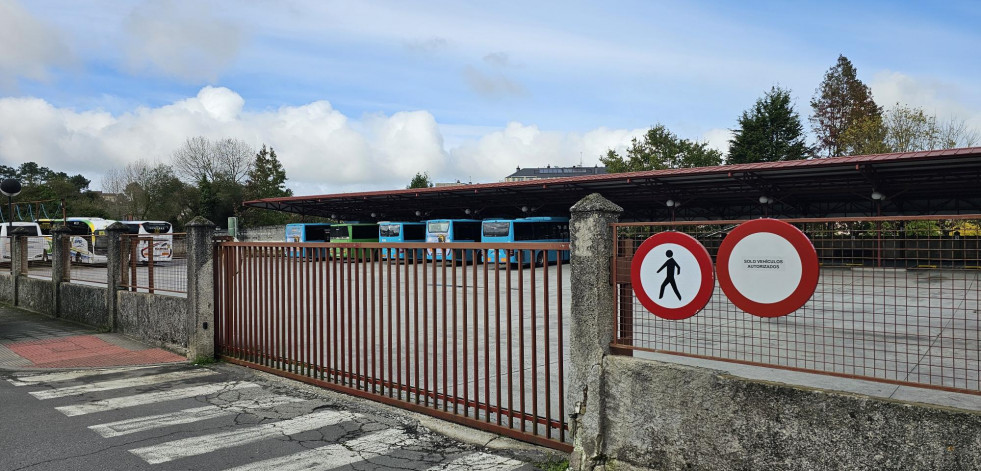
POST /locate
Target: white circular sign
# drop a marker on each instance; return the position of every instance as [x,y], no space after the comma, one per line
[667,289]
[765,267]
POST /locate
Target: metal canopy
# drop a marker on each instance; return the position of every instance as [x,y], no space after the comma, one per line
[913,183]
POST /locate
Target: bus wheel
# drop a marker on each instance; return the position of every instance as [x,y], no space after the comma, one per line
[540,259]
[44,255]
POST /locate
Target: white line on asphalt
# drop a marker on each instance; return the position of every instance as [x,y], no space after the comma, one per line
[194,446]
[121,383]
[29,379]
[478,461]
[335,455]
[187,416]
[151,397]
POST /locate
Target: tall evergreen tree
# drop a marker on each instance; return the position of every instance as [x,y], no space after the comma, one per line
[661,149]
[421,180]
[841,101]
[267,179]
[770,131]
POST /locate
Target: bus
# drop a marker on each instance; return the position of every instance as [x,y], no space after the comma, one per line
[353,232]
[452,230]
[308,232]
[398,233]
[35,243]
[532,229]
[89,244]
[162,233]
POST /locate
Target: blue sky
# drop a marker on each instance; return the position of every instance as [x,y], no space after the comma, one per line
[360,95]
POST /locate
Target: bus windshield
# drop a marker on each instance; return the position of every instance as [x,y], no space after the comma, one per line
[389,230]
[439,227]
[496,229]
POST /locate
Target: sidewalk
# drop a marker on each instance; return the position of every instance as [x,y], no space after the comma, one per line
[29,340]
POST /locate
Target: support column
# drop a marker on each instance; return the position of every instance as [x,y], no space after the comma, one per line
[114,271]
[59,263]
[591,330]
[18,257]
[200,289]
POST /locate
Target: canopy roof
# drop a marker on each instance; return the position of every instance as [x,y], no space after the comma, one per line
[912,183]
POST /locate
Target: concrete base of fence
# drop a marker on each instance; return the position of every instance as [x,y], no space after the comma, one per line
[672,417]
[156,320]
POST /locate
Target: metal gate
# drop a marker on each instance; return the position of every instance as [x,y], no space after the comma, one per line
[478,344]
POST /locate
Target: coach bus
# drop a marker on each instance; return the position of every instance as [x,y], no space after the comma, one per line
[390,232]
[89,241]
[532,229]
[162,233]
[453,230]
[308,232]
[351,233]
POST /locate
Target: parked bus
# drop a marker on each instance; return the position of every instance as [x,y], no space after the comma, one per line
[398,233]
[89,244]
[35,243]
[533,229]
[452,230]
[308,232]
[354,232]
[163,239]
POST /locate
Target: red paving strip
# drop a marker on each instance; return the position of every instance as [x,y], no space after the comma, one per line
[87,350]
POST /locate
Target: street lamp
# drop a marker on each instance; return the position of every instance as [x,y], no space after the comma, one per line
[11,188]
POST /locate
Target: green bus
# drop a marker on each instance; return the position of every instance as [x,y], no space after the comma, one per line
[354,232]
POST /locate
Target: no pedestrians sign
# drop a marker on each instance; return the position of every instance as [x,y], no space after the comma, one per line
[672,275]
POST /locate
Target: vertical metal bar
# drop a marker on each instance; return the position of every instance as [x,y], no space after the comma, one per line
[372,357]
[534,346]
[560,352]
[456,396]
[364,256]
[425,330]
[294,290]
[546,345]
[388,286]
[521,337]
[321,287]
[497,337]
[445,309]
[466,333]
[149,266]
[487,343]
[510,365]
[476,346]
[352,295]
[309,315]
[415,324]
[435,341]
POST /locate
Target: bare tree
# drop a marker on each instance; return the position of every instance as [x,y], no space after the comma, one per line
[225,159]
[953,133]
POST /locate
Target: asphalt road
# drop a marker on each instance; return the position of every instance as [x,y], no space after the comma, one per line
[216,417]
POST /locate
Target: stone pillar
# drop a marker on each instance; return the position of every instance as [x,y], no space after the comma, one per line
[592,323]
[18,257]
[200,289]
[60,267]
[114,271]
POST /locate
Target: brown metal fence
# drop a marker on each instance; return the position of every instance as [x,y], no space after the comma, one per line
[478,344]
[897,301]
[160,270]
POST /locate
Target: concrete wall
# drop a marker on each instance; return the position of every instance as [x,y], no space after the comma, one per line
[672,417]
[263,234]
[36,295]
[154,319]
[6,288]
[84,304]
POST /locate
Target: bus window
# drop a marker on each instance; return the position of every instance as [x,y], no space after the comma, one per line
[439,227]
[415,232]
[364,232]
[389,230]
[340,232]
[496,229]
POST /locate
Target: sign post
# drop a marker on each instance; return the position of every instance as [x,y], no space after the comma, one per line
[767,267]
[671,274]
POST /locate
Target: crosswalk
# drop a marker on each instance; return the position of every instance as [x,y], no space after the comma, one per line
[114,404]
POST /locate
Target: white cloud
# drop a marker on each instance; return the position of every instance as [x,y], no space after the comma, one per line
[718,139]
[28,47]
[322,150]
[946,100]
[180,39]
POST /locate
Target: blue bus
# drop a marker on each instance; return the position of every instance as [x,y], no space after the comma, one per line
[452,230]
[533,229]
[398,233]
[308,232]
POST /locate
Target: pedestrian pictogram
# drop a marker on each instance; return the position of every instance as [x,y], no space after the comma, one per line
[767,267]
[676,267]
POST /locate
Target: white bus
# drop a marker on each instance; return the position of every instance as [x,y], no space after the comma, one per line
[89,241]
[35,243]
[163,239]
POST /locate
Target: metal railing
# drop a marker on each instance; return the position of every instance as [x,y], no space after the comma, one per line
[154,263]
[479,344]
[897,301]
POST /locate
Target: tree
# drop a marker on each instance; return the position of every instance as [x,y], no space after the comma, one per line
[421,180]
[267,179]
[866,135]
[148,191]
[838,103]
[661,149]
[225,159]
[769,132]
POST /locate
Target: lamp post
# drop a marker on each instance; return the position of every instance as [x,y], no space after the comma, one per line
[10,187]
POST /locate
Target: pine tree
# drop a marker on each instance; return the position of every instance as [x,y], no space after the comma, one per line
[768,132]
[841,101]
[267,179]
[421,180]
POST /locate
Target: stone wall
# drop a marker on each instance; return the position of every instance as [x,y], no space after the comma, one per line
[263,234]
[84,304]
[36,295]
[154,319]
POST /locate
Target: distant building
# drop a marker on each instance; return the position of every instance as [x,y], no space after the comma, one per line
[525,174]
[456,183]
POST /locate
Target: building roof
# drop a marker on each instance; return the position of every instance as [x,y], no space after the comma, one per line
[929,182]
[556,172]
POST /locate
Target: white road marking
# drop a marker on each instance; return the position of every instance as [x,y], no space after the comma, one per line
[187,416]
[478,461]
[26,380]
[121,383]
[151,397]
[194,446]
[335,455]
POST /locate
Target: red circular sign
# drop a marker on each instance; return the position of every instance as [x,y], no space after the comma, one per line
[767,267]
[677,261]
